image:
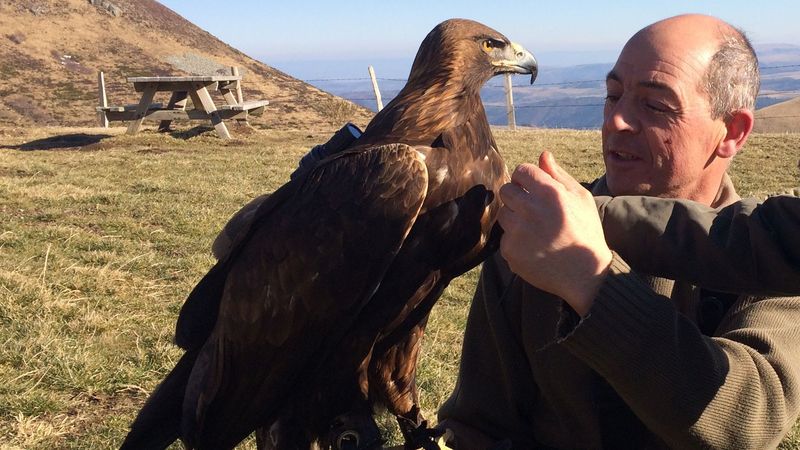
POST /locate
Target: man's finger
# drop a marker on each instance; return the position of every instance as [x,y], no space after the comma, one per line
[513,197]
[508,219]
[549,165]
[531,178]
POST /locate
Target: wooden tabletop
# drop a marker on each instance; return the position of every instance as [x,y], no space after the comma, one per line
[187,78]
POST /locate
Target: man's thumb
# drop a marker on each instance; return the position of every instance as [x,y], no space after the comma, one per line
[548,163]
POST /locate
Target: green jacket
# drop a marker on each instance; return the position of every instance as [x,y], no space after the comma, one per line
[743,247]
[655,364]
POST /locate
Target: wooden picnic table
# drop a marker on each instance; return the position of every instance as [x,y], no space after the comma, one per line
[182,88]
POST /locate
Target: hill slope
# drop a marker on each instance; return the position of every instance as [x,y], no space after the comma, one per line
[52,50]
[781,117]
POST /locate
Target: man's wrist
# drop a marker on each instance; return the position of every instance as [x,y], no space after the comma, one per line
[585,292]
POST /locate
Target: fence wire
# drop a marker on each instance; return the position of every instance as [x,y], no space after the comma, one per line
[528,87]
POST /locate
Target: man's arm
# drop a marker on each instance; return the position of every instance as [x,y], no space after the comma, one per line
[745,247]
[735,389]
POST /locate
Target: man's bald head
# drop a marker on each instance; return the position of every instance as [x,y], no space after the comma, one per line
[679,106]
[731,78]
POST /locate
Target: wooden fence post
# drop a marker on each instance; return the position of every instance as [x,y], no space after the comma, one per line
[512,120]
[102,118]
[375,88]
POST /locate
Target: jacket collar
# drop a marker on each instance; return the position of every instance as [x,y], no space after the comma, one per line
[726,194]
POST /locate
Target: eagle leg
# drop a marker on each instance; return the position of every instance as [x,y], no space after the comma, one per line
[416,432]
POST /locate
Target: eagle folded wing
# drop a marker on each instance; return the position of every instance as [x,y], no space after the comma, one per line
[315,254]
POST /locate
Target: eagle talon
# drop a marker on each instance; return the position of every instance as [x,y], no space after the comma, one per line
[419,436]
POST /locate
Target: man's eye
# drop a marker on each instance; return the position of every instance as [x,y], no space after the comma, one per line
[656,106]
[612,98]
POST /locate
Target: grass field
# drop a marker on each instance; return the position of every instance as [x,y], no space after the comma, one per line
[103,235]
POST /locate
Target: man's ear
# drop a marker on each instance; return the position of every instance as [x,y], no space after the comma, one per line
[738,125]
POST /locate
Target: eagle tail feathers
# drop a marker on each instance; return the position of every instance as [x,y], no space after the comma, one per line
[199,313]
[158,423]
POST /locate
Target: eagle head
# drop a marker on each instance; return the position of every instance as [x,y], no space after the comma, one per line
[470,51]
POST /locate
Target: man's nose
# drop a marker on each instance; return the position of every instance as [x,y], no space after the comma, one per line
[619,116]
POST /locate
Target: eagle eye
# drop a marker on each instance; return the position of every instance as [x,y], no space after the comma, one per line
[491,44]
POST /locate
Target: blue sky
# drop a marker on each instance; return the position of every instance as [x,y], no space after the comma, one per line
[300,34]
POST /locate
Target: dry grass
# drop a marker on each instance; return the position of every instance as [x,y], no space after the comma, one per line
[102,236]
[779,118]
[340,111]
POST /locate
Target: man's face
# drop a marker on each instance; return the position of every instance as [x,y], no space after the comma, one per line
[658,135]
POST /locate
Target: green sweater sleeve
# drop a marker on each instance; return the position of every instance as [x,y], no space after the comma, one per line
[739,388]
[745,247]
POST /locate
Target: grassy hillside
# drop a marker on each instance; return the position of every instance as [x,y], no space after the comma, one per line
[51,51]
[102,236]
[783,117]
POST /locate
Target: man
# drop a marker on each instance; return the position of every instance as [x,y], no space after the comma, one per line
[577,351]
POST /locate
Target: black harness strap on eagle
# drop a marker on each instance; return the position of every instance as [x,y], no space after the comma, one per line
[317,310]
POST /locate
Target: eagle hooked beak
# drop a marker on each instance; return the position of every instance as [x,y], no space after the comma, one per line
[517,60]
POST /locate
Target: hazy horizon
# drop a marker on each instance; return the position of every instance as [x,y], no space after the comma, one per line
[399,67]
[317,38]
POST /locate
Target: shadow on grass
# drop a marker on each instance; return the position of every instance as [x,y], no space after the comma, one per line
[59,142]
[86,141]
[234,128]
[191,132]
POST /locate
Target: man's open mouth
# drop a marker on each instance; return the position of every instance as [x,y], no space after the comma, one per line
[622,156]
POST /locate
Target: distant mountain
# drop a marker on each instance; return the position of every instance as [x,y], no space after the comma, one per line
[572,97]
[51,51]
[778,54]
[780,74]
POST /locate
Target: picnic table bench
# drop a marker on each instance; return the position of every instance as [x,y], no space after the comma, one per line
[182,88]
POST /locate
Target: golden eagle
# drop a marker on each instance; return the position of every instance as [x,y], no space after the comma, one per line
[317,312]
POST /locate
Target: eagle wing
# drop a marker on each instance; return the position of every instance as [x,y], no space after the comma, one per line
[315,254]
